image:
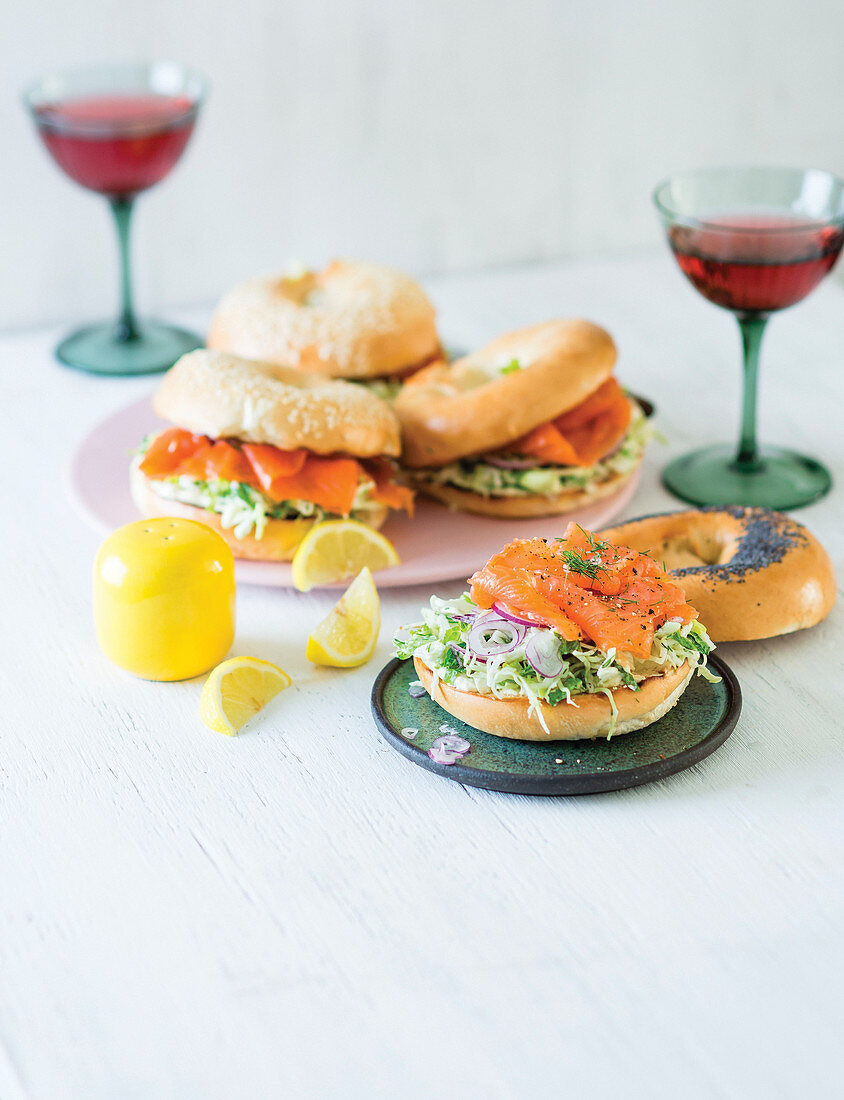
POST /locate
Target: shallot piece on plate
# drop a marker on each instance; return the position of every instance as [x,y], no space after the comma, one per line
[448,749]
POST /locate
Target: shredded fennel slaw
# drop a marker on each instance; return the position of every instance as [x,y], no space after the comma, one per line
[480,477]
[440,641]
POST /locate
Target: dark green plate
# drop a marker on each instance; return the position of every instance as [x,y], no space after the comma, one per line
[703,719]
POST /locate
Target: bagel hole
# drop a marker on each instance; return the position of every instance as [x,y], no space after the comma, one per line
[689,550]
[298,288]
[693,550]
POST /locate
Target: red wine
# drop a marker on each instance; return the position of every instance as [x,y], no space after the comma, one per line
[756,263]
[117,144]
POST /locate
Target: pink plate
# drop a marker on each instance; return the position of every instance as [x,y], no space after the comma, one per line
[436,545]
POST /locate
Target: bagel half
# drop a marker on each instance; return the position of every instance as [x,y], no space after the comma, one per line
[351,320]
[591,718]
[477,404]
[751,573]
[279,541]
[221,395]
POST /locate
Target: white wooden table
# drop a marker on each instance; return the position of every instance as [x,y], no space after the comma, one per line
[301,912]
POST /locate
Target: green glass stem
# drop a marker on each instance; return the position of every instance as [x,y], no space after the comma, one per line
[752,330]
[126,327]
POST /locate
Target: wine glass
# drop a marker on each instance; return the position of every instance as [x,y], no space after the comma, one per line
[754,241]
[117,130]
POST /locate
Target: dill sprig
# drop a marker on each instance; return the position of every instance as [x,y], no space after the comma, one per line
[594,544]
[578,564]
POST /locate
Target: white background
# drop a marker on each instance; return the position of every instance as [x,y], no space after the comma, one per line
[437,135]
[298,912]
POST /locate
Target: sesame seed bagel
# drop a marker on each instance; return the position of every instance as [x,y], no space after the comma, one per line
[217,394]
[514,507]
[476,405]
[592,717]
[279,541]
[351,320]
[751,573]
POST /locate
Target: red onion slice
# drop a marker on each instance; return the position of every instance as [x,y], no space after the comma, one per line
[478,643]
[511,617]
[416,689]
[448,749]
[542,652]
[510,463]
[458,652]
[441,756]
[453,742]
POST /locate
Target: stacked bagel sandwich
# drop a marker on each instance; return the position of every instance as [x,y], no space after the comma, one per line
[532,424]
[261,453]
[359,321]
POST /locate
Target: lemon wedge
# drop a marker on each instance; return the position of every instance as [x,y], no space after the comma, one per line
[337,550]
[346,637]
[236,690]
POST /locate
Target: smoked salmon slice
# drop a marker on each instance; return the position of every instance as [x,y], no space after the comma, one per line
[218,461]
[272,465]
[583,588]
[583,435]
[387,491]
[329,481]
[609,393]
[168,450]
[548,445]
[509,579]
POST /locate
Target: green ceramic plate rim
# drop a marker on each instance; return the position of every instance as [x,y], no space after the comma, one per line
[586,783]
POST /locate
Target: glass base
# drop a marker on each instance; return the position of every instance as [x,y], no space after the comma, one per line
[156,348]
[783,478]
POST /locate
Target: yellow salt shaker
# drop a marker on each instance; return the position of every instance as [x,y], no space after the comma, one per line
[164,598]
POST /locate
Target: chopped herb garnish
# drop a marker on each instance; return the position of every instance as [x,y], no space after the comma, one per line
[578,564]
[594,543]
[557,696]
[452,659]
[628,678]
[693,642]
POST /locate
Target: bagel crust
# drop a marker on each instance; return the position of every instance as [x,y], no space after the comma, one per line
[514,507]
[279,541]
[475,405]
[750,573]
[217,394]
[591,718]
[351,320]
